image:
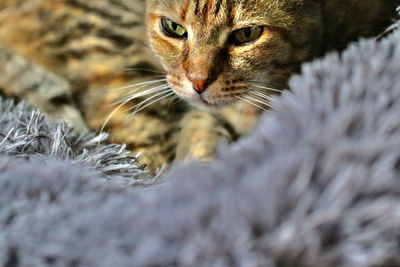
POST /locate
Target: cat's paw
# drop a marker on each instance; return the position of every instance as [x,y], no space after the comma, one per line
[201,132]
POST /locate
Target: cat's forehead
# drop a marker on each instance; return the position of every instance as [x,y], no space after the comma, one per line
[226,11]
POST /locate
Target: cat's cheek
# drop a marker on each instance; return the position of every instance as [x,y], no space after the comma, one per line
[182,88]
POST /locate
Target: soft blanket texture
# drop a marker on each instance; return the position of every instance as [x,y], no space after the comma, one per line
[317,183]
[28,134]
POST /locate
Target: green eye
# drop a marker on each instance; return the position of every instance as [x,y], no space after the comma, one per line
[246,35]
[172,29]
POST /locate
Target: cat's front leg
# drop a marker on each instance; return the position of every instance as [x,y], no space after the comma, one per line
[201,131]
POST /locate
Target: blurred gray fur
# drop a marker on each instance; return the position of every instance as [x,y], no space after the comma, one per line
[29,135]
[316,184]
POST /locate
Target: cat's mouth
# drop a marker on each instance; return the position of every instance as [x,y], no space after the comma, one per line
[206,103]
[209,104]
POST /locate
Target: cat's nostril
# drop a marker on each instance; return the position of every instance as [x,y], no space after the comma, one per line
[199,85]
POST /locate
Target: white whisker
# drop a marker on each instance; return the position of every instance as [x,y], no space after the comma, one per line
[250,102]
[256,100]
[140,84]
[137,106]
[112,114]
[268,88]
[259,94]
[152,102]
[132,96]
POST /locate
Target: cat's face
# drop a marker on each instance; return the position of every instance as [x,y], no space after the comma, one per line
[216,52]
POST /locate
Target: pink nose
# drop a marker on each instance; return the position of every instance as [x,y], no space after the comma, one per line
[199,85]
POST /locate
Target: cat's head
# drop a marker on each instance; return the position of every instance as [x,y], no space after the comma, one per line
[216,52]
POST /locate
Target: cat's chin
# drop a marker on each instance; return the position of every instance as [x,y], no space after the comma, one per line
[204,104]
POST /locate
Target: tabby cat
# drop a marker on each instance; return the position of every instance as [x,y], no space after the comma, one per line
[224,57]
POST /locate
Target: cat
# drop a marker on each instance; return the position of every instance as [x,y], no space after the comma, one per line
[98,46]
[233,55]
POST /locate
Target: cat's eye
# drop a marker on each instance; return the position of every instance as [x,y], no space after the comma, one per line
[172,29]
[246,35]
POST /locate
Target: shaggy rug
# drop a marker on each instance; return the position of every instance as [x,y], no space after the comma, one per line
[316,184]
[27,134]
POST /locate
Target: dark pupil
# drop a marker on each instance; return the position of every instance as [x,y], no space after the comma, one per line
[174,26]
[247,32]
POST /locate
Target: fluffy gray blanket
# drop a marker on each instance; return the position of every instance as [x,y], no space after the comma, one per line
[317,184]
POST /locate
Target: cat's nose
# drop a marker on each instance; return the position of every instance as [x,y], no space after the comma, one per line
[199,85]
